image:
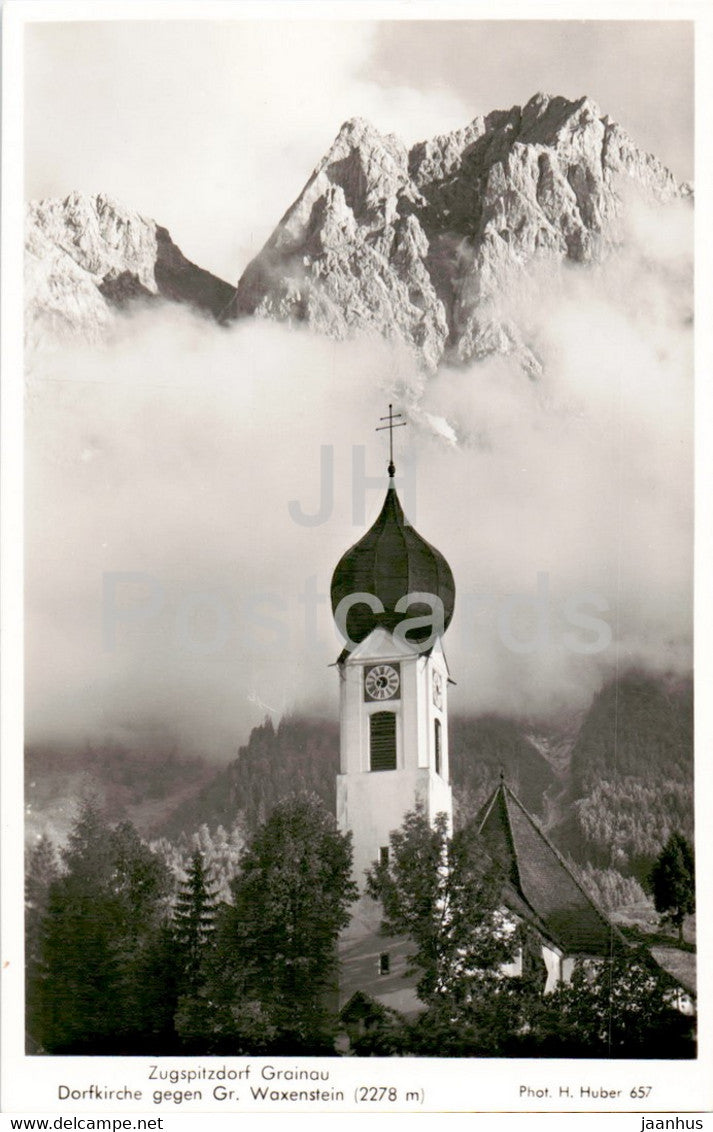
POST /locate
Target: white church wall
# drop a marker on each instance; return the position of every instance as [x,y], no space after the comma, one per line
[554,965]
[373,804]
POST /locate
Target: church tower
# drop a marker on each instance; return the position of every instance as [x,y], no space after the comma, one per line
[393,596]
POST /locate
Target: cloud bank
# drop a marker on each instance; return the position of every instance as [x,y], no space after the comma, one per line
[183,522]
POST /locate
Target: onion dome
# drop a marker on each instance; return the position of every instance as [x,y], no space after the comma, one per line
[389,562]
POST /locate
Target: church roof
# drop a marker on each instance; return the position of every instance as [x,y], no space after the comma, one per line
[539,876]
[390,561]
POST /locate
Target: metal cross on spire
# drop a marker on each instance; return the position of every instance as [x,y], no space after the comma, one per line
[393,423]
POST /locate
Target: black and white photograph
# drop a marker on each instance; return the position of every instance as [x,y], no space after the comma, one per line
[355,704]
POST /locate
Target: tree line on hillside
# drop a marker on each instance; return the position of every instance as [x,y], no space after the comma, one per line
[127,956]
[628,786]
[638,725]
[126,777]
[302,754]
[630,781]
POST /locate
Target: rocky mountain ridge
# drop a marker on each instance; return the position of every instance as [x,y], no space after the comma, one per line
[87,256]
[421,244]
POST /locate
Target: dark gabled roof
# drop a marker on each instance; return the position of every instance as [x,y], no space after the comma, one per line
[541,878]
[680,965]
[390,561]
[361,1006]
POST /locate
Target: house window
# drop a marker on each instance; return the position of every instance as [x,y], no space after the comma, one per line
[384,963]
[437,744]
[384,855]
[382,740]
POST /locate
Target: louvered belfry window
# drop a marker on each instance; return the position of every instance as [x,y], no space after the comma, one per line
[382,740]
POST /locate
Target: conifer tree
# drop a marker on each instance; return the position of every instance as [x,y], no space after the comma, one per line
[194,919]
[42,869]
[101,915]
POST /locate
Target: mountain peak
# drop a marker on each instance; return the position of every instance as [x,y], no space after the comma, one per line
[541,100]
[542,104]
[369,166]
[419,244]
[87,255]
[357,130]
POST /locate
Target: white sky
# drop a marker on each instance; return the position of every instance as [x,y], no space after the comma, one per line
[211,128]
[175,453]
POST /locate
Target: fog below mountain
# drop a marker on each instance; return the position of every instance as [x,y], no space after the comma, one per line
[174,453]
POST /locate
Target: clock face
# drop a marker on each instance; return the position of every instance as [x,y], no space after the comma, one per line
[381,682]
[438,690]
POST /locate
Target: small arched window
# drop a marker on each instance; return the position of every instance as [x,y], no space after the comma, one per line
[382,740]
[437,744]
